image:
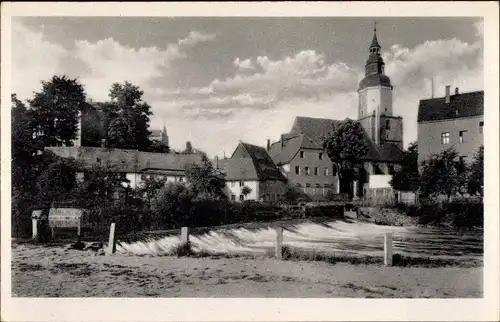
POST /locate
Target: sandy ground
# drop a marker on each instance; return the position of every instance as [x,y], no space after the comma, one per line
[41,271]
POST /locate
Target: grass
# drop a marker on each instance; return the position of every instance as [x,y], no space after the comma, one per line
[294,254]
[398,259]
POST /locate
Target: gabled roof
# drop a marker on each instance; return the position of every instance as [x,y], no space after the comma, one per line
[131,161]
[309,133]
[250,162]
[461,105]
[314,128]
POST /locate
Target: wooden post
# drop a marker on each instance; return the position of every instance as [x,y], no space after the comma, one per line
[388,249]
[35,228]
[279,242]
[184,235]
[79,230]
[112,241]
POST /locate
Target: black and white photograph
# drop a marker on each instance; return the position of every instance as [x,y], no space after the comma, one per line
[303,157]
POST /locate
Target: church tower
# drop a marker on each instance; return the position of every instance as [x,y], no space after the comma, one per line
[375,100]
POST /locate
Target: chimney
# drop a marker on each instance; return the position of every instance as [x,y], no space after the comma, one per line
[447,95]
[103,143]
[456,90]
[282,141]
[216,162]
[268,144]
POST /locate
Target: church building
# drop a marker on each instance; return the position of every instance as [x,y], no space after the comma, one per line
[302,159]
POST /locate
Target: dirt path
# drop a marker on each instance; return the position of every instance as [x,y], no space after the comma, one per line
[56,272]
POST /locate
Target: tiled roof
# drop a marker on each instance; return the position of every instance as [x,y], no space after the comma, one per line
[461,105]
[314,128]
[309,133]
[166,161]
[250,162]
[130,161]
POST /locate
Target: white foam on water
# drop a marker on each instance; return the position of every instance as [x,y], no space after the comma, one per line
[337,236]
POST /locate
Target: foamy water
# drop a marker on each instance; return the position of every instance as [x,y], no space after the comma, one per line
[347,237]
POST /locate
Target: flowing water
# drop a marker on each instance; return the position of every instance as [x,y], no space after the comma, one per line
[347,237]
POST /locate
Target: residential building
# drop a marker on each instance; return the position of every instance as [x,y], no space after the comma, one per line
[251,166]
[300,154]
[135,165]
[453,121]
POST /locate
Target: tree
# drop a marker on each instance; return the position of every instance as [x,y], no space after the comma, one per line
[159,147]
[57,181]
[189,148]
[245,191]
[172,205]
[149,187]
[407,178]
[26,155]
[56,110]
[98,184]
[442,174]
[346,146]
[476,179]
[121,133]
[128,117]
[205,179]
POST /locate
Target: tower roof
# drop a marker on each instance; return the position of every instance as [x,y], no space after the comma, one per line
[375,43]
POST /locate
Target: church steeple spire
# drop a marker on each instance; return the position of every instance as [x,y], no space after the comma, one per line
[375,47]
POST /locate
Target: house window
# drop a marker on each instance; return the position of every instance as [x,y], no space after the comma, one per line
[308,171]
[297,170]
[298,184]
[318,185]
[233,197]
[316,171]
[242,197]
[308,185]
[445,138]
[320,156]
[387,123]
[334,170]
[325,171]
[180,179]
[242,183]
[461,135]
[391,169]
[481,125]
[302,154]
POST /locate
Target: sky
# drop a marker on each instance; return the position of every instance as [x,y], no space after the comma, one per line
[217,80]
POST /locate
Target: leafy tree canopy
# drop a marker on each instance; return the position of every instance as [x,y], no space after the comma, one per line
[407,177]
[56,108]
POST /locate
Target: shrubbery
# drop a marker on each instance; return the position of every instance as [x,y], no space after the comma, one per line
[457,214]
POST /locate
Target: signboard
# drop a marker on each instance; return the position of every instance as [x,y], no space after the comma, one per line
[65,217]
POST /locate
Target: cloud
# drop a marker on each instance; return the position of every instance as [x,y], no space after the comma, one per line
[243,64]
[97,64]
[303,75]
[195,37]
